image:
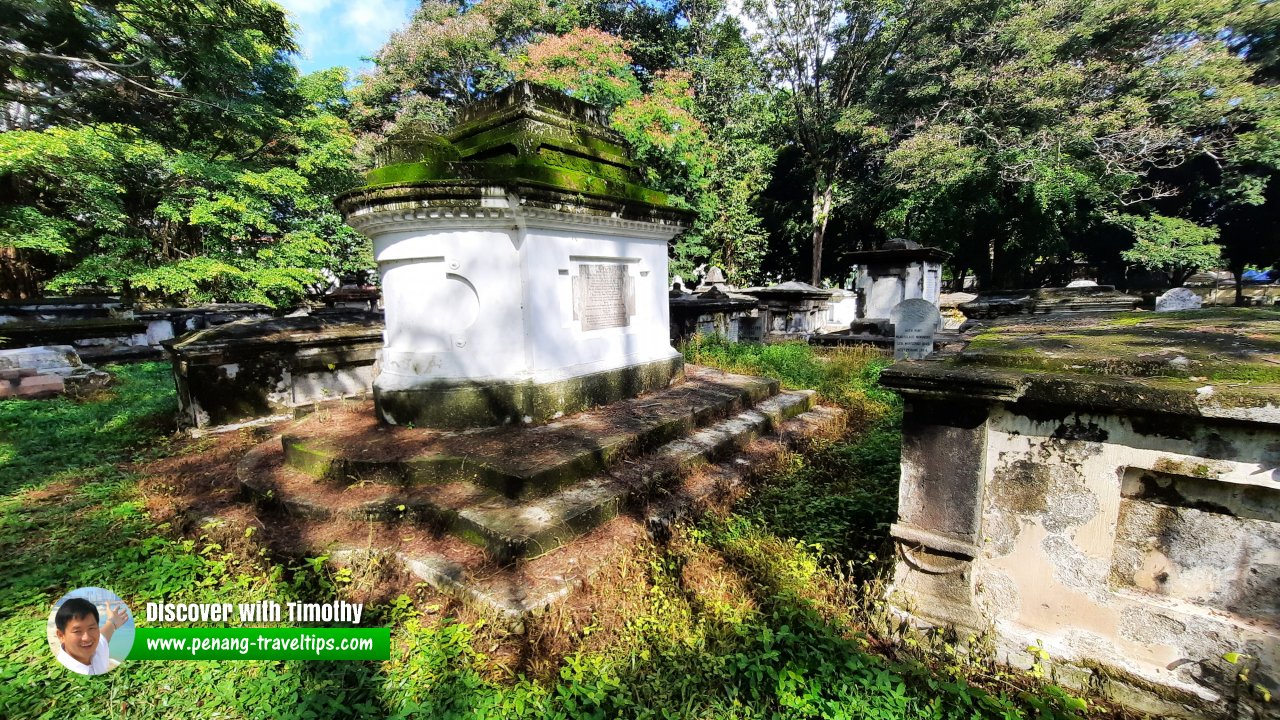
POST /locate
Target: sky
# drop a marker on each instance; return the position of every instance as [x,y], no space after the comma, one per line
[341,32]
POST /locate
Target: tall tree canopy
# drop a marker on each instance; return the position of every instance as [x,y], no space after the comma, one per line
[170,150]
[1007,130]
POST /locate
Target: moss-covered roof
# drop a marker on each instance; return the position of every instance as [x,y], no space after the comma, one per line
[1212,362]
[524,136]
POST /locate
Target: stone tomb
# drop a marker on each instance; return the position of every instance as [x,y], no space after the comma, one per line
[714,308]
[1109,487]
[251,371]
[523,267]
[791,310]
[525,424]
[103,329]
[899,270]
[1039,301]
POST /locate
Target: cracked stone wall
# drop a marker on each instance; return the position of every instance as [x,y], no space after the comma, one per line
[1137,551]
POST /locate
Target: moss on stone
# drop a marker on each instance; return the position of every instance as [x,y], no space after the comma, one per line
[529,135]
[1222,362]
[480,404]
[1215,345]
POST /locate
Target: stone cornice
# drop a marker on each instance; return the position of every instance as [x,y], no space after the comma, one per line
[476,208]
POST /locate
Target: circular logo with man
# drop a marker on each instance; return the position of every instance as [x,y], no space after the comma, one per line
[90,630]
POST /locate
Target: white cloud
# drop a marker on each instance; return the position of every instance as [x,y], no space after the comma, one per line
[373,21]
[340,32]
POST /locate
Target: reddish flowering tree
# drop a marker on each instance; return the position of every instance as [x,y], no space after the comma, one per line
[587,63]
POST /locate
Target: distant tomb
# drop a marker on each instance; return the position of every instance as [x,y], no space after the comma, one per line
[1040,301]
[714,308]
[899,270]
[791,310]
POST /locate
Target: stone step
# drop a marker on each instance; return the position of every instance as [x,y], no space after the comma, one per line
[517,462]
[517,591]
[509,528]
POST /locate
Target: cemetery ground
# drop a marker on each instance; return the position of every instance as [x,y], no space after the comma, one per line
[769,609]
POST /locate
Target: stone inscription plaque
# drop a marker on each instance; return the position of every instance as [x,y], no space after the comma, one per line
[914,323]
[600,296]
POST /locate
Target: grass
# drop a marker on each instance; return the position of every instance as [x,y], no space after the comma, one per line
[752,615]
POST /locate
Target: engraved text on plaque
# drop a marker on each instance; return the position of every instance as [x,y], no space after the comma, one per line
[601,296]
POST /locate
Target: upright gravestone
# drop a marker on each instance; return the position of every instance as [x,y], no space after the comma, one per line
[915,322]
[1178,298]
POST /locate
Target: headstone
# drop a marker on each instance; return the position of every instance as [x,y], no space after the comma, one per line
[1178,298]
[1083,283]
[914,323]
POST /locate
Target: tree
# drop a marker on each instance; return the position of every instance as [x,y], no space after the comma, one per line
[589,64]
[451,53]
[171,152]
[1177,246]
[1069,116]
[831,60]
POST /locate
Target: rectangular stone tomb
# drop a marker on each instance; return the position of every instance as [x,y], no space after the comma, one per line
[248,371]
[1122,512]
[527,220]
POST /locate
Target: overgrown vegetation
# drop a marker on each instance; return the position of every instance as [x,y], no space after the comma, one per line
[753,615]
[840,496]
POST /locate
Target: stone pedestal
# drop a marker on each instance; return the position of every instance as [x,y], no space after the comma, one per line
[523,269]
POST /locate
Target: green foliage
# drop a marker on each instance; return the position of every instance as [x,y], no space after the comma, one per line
[840,496]
[172,151]
[1173,244]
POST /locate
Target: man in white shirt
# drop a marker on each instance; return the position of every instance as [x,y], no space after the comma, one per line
[83,643]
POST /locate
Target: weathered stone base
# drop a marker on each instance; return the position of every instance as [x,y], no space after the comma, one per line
[485,404]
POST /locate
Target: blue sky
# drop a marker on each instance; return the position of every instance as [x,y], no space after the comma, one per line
[340,32]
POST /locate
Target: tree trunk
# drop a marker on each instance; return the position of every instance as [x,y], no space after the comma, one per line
[822,195]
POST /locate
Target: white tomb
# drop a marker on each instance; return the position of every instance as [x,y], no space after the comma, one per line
[523,269]
[899,270]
